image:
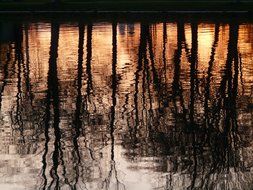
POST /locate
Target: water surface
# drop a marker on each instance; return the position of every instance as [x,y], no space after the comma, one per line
[126,105]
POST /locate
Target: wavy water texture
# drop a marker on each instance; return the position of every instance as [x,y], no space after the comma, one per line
[126,105]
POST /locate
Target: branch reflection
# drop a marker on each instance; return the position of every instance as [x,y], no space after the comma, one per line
[168,99]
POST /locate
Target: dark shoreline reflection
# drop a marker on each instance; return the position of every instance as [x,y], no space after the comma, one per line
[127,106]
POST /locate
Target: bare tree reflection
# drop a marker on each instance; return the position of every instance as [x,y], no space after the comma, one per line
[209,74]
[89,58]
[27,66]
[77,117]
[113,170]
[5,73]
[217,130]
[53,97]
[19,59]
[169,118]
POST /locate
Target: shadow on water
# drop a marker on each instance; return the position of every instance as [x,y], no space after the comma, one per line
[185,124]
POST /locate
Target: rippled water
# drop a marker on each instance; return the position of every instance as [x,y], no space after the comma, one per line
[126,106]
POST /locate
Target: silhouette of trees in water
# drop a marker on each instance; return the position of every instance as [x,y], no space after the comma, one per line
[204,146]
[211,143]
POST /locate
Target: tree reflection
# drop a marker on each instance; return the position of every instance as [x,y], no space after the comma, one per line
[217,131]
[77,117]
[19,58]
[53,97]
[89,57]
[5,74]
[107,183]
[172,113]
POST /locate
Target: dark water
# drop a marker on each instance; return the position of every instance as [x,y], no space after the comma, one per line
[134,106]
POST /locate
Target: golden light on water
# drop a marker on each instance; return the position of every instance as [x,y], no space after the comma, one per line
[117,110]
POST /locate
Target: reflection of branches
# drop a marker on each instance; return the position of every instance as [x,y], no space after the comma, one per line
[5,74]
[53,93]
[134,114]
[53,86]
[209,74]
[27,67]
[15,69]
[47,139]
[193,72]
[29,91]
[142,49]
[152,60]
[164,50]
[77,120]
[107,181]
[19,58]
[241,73]
[208,144]
[89,89]
[177,89]
[23,112]
[89,58]
[221,140]
[194,83]
[199,146]
[226,82]
[218,141]
[226,141]
[47,120]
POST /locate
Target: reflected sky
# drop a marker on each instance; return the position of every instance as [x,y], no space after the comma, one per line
[126,105]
